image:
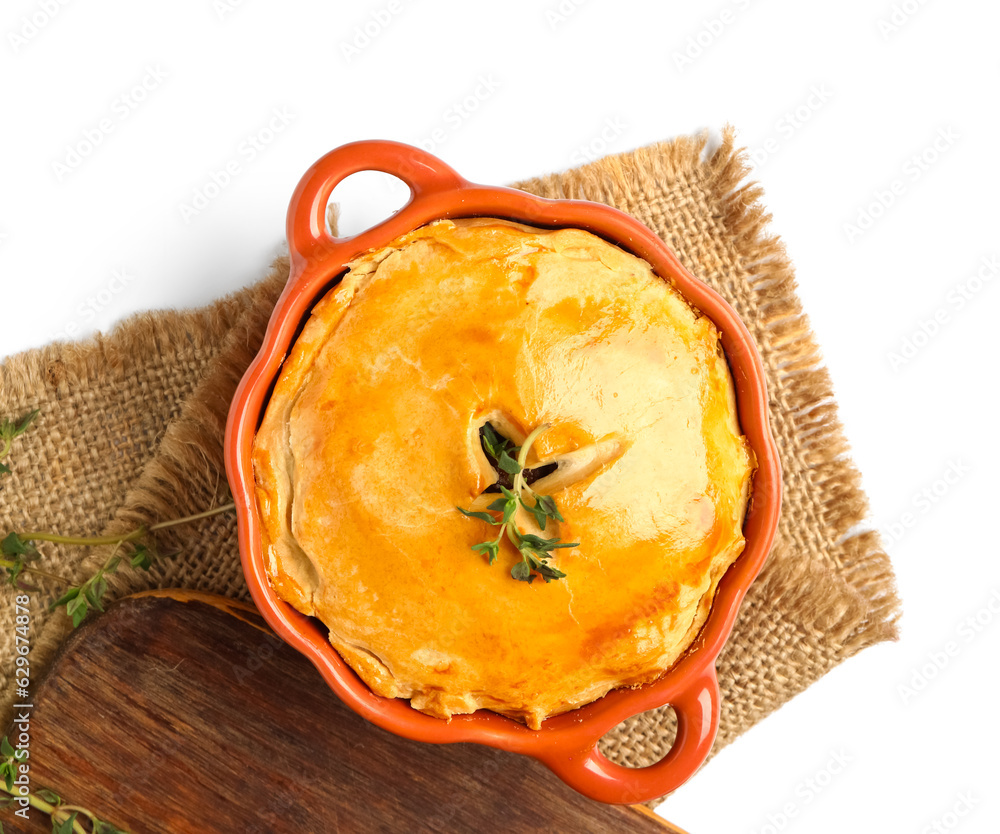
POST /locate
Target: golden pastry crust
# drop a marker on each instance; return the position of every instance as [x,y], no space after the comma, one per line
[371,440]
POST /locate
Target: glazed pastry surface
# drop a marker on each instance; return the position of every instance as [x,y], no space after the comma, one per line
[371,440]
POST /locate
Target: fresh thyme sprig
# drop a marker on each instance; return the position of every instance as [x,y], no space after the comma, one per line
[535,551]
[66,819]
[80,599]
[20,553]
[10,430]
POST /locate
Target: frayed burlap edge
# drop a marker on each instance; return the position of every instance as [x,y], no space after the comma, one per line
[64,365]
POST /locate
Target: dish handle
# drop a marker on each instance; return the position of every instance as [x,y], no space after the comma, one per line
[308,236]
[591,773]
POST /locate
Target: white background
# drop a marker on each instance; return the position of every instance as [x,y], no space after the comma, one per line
[853,97]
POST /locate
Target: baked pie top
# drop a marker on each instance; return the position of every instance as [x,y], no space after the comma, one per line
[371,440]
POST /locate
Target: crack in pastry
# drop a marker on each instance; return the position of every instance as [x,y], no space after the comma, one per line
[371,440]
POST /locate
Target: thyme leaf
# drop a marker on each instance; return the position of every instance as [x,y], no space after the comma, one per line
[535,551]
[9,430]
[65,819]
[18,552]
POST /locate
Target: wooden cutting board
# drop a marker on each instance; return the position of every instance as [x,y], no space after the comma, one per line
[181,712]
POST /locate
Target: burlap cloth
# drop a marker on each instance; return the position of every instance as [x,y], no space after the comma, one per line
[131,428]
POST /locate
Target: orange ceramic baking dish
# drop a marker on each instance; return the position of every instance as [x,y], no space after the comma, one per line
[567,743]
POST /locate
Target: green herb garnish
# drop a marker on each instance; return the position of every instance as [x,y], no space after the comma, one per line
[535,551]
[65,819]
[18,552]
[8,431]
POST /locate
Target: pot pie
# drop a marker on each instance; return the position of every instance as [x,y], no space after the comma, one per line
[371,441]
